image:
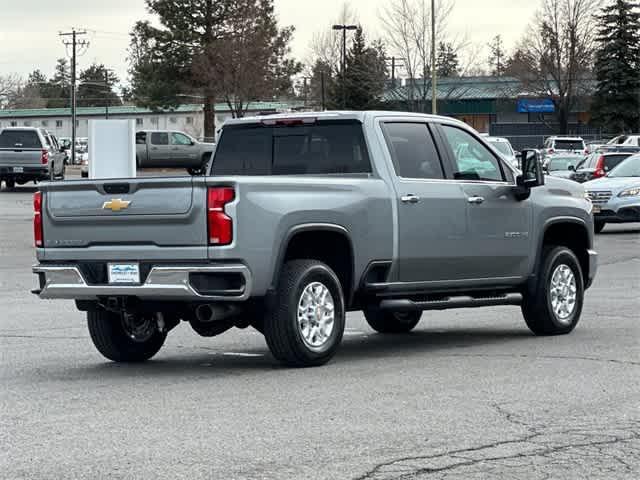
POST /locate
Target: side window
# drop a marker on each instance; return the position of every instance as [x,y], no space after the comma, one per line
[413,151]
[179,139]
[472,160]
[160,138]
[141,138]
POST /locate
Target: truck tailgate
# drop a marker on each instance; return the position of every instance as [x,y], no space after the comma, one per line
[154,212]
[19,157]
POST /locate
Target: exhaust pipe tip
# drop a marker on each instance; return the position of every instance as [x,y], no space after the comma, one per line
[204,313]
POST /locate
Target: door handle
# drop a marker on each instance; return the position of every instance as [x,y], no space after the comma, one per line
[411,198]
[475,200]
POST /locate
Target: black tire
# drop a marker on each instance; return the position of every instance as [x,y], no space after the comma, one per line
[537,307]
[111,340]
[10,184]
[598,226]
[281,328]
[384,321]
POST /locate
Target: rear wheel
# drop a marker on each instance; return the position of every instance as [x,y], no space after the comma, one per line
[598,226]
[384,321]
[306,325]
[555,306]
[10,183]
[125,338]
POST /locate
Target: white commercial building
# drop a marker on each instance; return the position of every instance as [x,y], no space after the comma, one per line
[184,118]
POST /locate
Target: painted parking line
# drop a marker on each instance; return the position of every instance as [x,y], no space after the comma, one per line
[242,354]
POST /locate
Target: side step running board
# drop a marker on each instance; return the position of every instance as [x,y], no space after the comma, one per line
[451,302]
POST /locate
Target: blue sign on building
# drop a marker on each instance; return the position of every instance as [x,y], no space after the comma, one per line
[536,105]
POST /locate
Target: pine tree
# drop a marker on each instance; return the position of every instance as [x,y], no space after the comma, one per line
[365,76]
[96,87]
[447,60]
[616,103]
[497,57]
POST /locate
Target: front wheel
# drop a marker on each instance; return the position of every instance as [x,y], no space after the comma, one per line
[306,324]
[555,305]
[598,226]
[125,338]
[384,321]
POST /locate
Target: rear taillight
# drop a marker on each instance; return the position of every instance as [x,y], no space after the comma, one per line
[37,220]
[599,168]
[44,158]
[220,225]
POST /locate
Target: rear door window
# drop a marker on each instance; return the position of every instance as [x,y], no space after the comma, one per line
[413,150]
[322,148]
[160,138]
[19,139]
[141,138]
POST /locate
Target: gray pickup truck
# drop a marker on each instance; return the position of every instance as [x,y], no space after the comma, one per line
[168,149]
[29,155]
[303,218]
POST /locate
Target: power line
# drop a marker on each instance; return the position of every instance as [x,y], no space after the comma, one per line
[74,43]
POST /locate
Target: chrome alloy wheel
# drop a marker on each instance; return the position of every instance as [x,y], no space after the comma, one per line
[563,290]
[316,315]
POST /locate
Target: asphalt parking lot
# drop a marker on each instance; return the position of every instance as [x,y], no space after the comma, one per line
[470,394]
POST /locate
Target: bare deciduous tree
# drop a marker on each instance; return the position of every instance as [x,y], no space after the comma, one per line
[10,86]
[407,27]
[556,55]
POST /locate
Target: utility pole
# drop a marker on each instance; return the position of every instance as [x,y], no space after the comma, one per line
[74,45]
[344,29]
[434,94]
[107,90]
[396,63]
[322,90]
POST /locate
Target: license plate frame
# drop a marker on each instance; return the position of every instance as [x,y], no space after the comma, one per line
[123,273]
[18,169]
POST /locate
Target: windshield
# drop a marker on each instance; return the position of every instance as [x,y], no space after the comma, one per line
[569,145]
[503,147]
[629,168]
[562,163]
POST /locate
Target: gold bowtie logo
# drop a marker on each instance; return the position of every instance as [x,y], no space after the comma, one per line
[116,205]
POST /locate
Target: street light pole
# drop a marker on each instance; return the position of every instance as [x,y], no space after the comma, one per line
[344,29]
[434,75]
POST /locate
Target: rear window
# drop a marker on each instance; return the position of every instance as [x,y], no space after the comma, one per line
[323,148]
[19,139]
[569,145]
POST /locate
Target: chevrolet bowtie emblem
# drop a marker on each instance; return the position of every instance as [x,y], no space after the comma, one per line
[116,204]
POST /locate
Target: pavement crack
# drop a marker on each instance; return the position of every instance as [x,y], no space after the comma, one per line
[380,470]
[543,357]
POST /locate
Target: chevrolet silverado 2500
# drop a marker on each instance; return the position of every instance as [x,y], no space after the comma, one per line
[303,218]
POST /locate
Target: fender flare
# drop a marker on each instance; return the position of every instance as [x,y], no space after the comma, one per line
[531,283]
[308,227]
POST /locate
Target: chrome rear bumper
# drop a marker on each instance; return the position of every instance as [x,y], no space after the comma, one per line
[162,283]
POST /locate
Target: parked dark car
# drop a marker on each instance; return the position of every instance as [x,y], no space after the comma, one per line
[598,164]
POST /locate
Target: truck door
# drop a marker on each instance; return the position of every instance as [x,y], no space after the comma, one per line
[431,210]
[183,151]
[499,240]
[159,153]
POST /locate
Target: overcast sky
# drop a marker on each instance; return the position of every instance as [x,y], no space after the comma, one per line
[29,28]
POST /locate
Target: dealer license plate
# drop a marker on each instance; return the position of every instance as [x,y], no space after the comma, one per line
[124,273]
[597,208]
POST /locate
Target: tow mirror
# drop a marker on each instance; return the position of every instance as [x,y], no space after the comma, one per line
[572,168]
[532,174]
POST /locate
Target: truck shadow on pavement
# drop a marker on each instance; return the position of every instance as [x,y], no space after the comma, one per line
[368,347]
